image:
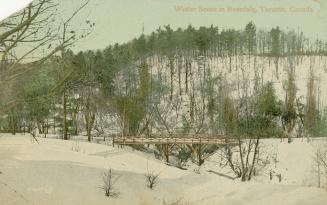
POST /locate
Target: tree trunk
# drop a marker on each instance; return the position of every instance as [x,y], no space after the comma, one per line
[45,130]
[171,65]
[65,128]
[39,127]
[13,124]
[54,124]
[166,152]
[186,76]
[89,120]
[255,154]
[276,66]
[199,154]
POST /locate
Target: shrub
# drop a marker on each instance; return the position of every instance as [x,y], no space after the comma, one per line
[151,179]
[183,156]
[109,181]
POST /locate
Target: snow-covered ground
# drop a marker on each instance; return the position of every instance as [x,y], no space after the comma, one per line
[57,172]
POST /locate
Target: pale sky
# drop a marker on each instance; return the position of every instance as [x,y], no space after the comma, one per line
[122,20]
[8,7]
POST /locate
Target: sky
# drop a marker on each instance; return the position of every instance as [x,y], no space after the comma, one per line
[7,7]
[119,21]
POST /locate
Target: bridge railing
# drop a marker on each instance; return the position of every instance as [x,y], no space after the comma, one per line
[172,140]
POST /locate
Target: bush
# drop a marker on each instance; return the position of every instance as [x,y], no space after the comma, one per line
[151,179]
[183,156]
[109,181]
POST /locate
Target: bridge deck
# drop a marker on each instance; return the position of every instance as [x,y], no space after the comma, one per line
[172,140]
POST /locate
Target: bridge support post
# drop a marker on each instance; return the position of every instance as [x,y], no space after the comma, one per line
[199,154]
[165,149]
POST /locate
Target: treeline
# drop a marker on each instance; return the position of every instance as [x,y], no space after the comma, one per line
[213,41]
[171,81]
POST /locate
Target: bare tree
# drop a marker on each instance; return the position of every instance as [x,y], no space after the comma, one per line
[310,110]
[167,118]
[322,157]
[28,39]
[109,181]
[68,36]
[151,178]
[321,162]
[289,116]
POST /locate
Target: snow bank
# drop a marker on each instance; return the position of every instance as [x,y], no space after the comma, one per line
[53,173]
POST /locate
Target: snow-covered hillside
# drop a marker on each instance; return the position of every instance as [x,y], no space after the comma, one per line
[193,82]
[238,68]
[57,172]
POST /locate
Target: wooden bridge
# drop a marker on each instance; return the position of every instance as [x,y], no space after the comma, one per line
[196,143]
[173,140]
